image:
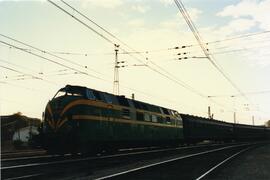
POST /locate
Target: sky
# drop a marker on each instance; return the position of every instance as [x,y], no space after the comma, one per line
[236,33]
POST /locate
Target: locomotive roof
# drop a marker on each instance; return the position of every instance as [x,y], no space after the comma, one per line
[82,89]
[73,89]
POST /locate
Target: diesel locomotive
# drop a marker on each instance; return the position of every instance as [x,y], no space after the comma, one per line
[80,119]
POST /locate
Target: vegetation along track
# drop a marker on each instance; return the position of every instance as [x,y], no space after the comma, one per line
[98,166]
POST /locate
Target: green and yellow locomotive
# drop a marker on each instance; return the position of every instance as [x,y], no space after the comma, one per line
[79,119]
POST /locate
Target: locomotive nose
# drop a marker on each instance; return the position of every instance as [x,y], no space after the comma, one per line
[54,116]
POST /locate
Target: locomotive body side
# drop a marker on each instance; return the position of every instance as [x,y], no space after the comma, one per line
[87,120]
[93,120]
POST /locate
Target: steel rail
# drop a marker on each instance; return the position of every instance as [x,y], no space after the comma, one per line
[128,155]
[33,157]
[25,177]
[110,156]
[171,160]
[22,152]
[221,163]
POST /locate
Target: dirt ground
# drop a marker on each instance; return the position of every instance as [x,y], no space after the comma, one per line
[251,165]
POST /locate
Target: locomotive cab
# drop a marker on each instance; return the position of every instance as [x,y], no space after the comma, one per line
[60,129]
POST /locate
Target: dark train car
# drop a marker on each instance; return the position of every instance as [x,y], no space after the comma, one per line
[244,132]
[197,129]
[267,133]
[79,119]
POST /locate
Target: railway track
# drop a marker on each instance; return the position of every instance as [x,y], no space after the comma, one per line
[193,166]
[22,153]
[47,158]
[97,166]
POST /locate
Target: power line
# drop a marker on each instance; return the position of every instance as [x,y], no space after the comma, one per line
[152,50]
[110,41]
[239,37]
[23,87]
[52,61]
[223,40]
[33,76]
[40,50]
[86,25]
[64,66]
[15,70]
[102,28]
[176,80]
[58,63]
[246,93]
[16,65]
[25,77]
[196,33]
[239,50]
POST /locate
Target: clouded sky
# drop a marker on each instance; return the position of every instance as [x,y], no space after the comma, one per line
[237,33]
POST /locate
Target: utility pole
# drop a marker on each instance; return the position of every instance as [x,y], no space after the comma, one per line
[234,110]
[116,72]
[210,115]
[209,112]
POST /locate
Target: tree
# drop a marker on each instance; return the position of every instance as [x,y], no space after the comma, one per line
[267,123]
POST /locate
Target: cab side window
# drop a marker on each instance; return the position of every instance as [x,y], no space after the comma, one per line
[140,116]
[125,113]
[160,119]
[168,120]
[90,94]
[147,117]
[154,118]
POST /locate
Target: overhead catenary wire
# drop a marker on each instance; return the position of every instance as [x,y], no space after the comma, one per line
[237,95]
[51,73]
[196,33]
[159,50]
[107,39]
[147,94]
[16,65]
[238,50]
[240,37]
[22,49]
[52,61]
[26,77]
[11,69]
[23,87]
[156,50]
[130,54]
[80,21]
[95,31]
[33,76]
[223,40]
[102,28]
[47,52]
[40,50]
